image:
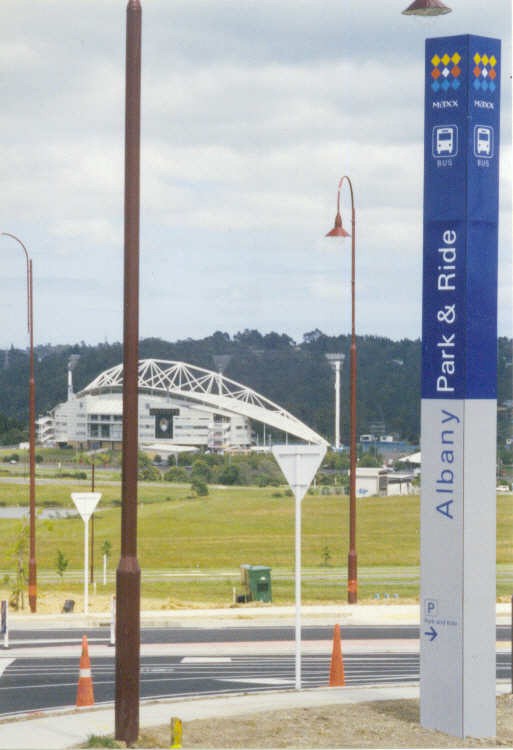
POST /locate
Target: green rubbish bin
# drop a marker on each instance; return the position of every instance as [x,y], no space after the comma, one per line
[256,581]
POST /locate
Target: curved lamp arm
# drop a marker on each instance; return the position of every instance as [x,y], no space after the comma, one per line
[29,278]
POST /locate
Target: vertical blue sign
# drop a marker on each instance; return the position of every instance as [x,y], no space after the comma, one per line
[459,375]
[461,170]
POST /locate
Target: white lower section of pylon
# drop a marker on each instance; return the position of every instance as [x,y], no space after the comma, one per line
[457,624]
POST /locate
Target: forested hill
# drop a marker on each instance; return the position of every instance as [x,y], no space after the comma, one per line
[295,375]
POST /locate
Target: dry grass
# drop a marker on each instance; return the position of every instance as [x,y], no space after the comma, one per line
[381,724]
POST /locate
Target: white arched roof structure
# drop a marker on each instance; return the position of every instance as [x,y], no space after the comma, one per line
[207,388]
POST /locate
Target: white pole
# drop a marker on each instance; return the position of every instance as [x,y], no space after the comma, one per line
[5,622]
[298,577]
[112,640]
[105,570]
[337,404]
[86,566]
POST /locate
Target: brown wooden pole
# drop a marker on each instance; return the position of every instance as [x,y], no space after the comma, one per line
[128,577]
[32,567]
[32,585]
[352,565]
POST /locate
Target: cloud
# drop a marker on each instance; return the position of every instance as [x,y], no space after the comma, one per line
[251,112]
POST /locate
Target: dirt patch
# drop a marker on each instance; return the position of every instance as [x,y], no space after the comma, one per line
[380,724]
[51,602]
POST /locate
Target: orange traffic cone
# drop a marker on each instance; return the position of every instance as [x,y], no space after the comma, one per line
[85,695]
[337,678]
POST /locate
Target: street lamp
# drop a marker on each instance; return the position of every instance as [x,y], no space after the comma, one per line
[339,231]
[128,574]
[32,585]
[426,8]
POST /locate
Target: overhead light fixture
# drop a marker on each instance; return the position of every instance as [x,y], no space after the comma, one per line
[426,8]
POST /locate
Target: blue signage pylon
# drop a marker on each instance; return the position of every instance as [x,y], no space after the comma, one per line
[459,376]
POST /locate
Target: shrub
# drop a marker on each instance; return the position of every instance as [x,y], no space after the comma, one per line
[199,487]
[176,474]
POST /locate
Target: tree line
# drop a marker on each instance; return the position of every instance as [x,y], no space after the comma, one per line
[296,375]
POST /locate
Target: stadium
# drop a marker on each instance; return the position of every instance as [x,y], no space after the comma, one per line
[180,406]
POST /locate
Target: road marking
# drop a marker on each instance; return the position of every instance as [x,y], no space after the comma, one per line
[257,680]
[205,659]
[4,663]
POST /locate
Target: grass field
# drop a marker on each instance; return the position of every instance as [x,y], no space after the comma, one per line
[190,549]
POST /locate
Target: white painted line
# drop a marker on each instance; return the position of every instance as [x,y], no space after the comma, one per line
[257,680]
[4,663]
[205,659]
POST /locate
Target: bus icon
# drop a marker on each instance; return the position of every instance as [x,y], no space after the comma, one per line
[445,141]
[483,141]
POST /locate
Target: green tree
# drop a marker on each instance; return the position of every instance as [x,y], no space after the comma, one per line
[201,470]
[229,475]
[62,563]
[19,553]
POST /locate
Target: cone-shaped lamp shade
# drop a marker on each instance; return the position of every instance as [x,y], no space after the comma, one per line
[426,8]
[338,230]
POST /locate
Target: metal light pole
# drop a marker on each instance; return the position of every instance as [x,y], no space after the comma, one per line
[32,585]
[128,576]
[426,8]
[336,361]
[339,231]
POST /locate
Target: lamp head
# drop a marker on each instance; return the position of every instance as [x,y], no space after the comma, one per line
[338,230]
[426,8]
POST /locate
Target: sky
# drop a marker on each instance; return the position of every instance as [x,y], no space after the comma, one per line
[251,112]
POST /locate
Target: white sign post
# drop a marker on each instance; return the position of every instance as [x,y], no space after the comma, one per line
[4,624]
[85,503]
[299,464]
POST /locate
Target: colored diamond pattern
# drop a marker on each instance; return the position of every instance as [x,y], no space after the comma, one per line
[484,72]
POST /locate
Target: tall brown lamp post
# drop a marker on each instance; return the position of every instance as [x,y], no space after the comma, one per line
[339,231]
[32,586]
[128,575]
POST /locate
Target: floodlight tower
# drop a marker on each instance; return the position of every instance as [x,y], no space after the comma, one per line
[336,361]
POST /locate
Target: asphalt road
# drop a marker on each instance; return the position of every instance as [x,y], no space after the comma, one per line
[30,683]
[249,634]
